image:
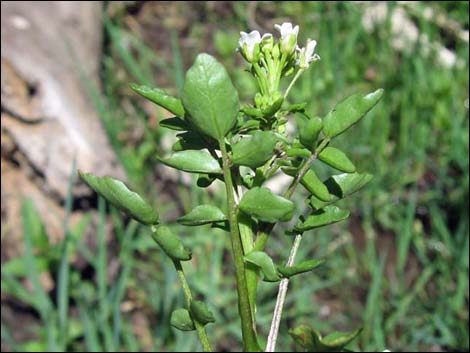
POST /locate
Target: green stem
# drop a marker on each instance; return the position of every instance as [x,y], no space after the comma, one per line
[297,75]
[279,69]
[266,228]
[261,79]
[308,164]
[250,343]
[201,332]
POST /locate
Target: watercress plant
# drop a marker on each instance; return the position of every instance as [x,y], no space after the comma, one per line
[243,146]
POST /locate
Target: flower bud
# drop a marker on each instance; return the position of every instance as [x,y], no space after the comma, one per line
[288,37]
[275,52]
[267,43]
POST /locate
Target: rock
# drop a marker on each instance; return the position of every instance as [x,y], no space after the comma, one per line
[49,69]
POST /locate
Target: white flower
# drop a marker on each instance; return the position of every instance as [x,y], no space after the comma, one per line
[307,55]
[249,45]
[288,37]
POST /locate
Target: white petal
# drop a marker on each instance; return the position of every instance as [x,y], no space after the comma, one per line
[254,37]
[242,39]
[311,44]
[295,30]
[315,57]
[266,36]
[284,29]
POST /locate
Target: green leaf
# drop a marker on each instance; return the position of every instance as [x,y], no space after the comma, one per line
[201,312]
[249,125]
[309,129]
[273,108]
[305,266]
[160,97]
[338,340]
[202,214]
[264,262]
[193,161]
[175,123]
[313,184]
[181,319]
[205,180]
[296,108]
[349,111]
[210,97]
[262,204]
[255,150]
[190,140]
[298,152]
[170,243]
[304,336]
[313,341]
[252,111]
[340,186]
[322,217]
[343,185]
[117,193]
[336,159]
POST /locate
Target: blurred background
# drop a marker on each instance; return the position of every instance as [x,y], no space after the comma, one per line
[77,276]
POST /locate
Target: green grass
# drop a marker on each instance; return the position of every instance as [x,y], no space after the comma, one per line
[399,268]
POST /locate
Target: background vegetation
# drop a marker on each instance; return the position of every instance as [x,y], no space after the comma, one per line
[399,267]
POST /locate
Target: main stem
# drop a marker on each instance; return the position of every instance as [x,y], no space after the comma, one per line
[201,332]
[250,343]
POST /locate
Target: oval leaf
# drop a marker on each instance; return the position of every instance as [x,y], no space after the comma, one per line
[255,150]
[175,123]
[190,140]
[170,243]
[201,312]
[336,159]
[304,336]
[340,186]
[314,185]
[210,97]
[338,340]
[202,214]
[305,266]
[264,262]
[313,341]
[298,152]
[117,193]
[181,319]
[262,204]
[297,108]
[160,97]
[309,129]
[322,217]
[343,185]
[273,108]
[349,111]
[193,161]
[205,180]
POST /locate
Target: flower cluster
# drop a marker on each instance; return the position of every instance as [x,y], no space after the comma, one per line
[271,60]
